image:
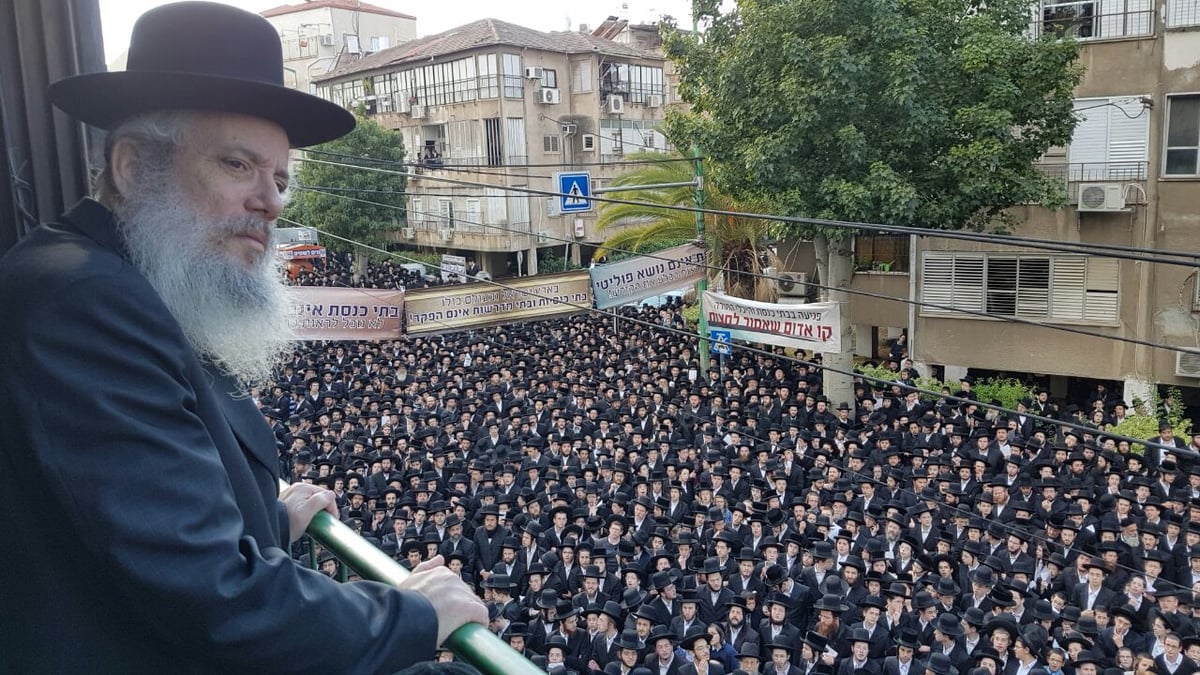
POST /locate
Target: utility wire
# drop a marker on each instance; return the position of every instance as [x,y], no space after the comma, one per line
[755,350]
[1187,259]
[869,294]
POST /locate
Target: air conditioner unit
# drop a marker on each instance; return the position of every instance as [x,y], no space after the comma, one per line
[655,101]
[549,96]
[417,112]
[580,228]
[543,238]
[614,104]
[534,73]
[409,233]
[568,129]
[792,284]
[327,40]
[446,234]
[1101,197]
[1187,364]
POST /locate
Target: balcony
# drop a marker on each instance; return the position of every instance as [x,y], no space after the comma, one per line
[1096,19]
[1096,172]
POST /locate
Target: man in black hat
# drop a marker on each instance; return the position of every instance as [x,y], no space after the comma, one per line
[150,312]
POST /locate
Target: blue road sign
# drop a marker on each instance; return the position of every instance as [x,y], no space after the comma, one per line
[721,340]
[576,190]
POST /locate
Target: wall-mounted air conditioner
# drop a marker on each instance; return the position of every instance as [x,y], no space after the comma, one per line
[409,233]
[549,96]
[614,104]
[1096,197]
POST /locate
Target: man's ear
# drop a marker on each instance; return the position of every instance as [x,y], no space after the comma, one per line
[122,160]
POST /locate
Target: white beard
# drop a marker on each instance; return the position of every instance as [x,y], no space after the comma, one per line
[233,316]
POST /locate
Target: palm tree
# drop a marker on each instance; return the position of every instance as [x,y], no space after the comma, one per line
[735,245]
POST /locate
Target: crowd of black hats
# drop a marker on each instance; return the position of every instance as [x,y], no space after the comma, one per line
[620,509]
[336,269]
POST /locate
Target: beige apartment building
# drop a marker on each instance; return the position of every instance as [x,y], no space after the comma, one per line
[500,108]
[1132,176]
[319,36]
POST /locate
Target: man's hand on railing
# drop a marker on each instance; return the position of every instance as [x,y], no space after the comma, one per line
[303,501]
[453,600]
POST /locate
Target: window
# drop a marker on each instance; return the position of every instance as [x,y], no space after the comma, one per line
[416,212]
[1075,289]
[881,253]
[445,216]
[514,77]
[549,78]
[1183,13]
[618,137]
[379,43]
[514,141]
[492,141]
[636,83]
[518,209]
[489,79]
[550,144]
[581,76]
[471,219]
[438,83]
[1110,141]
[1183,136]
[1098,19]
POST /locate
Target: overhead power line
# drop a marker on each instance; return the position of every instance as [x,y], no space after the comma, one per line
[1182,258]
[918,303]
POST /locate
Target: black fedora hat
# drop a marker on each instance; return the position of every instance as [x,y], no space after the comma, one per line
[202,56]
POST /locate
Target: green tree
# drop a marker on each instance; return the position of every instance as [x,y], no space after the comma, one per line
[925,113]
[322,201]
[734,244]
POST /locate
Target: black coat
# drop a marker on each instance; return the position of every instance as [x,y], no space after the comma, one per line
[169,547]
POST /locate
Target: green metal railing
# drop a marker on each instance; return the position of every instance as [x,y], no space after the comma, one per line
[472,643]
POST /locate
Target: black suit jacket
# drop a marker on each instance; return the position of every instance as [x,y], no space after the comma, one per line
[160,486]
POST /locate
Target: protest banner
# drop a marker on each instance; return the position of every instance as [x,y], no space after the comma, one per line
[446,308]
[642,277]
[321,313]
[815,326]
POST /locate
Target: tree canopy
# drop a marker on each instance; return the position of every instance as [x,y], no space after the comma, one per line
[927,113]
[328,192]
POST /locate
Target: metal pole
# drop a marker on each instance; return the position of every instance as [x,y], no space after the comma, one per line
[473,643]
[701,285]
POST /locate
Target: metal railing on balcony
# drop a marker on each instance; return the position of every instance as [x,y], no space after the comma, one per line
[1098,172]
[473,643]
[1096,19]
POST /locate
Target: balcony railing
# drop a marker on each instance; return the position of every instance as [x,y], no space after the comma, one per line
[1095,19]
[473,643]
[1097,172]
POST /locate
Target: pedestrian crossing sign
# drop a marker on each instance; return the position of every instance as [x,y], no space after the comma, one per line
[575,191]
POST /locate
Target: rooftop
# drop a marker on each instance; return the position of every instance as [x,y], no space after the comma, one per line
[483,33]
[349,5]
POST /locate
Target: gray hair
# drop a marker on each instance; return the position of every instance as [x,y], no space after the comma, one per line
[156,136]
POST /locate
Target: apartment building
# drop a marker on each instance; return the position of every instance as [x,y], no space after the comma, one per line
[319,36]
[1132,176]
[490,109]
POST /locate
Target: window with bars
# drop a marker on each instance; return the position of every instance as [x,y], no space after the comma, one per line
[1181,13]
[1097,19]
[881,253]
[1069,289]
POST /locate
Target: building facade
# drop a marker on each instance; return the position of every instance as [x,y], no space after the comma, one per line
[490,112]
[1132,176]
[319,36]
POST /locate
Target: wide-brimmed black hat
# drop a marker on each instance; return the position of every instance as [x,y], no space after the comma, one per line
[202,56]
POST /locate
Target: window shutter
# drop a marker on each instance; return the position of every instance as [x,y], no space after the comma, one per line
[1033,288]
[1089,144]
[497,207]
[416,212]
[937,281]
[445,212]
[1128,138]
[519,208]
[968,281]
[472,219]
[1067,291]
[1102,300]
[514,141]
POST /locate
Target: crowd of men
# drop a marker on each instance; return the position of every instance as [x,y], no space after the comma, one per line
[620,509]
